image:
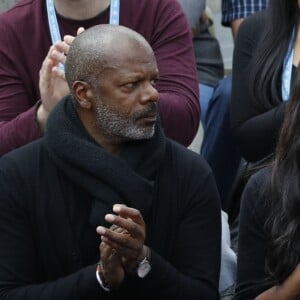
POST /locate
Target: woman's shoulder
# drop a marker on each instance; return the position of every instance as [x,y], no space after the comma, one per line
[256,18]
[258,180]
[253,24]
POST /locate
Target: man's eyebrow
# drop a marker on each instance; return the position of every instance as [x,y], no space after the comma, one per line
[132,76]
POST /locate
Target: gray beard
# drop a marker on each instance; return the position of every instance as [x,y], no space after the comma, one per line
[112,123]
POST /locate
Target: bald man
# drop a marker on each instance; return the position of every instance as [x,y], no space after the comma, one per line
[124,212]
[34,30]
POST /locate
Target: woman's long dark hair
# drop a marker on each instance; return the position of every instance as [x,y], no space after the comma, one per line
[283,194]
[266,64]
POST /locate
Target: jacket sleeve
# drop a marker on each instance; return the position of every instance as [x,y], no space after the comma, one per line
[17,110]
[21,277]
[18,125]
[193,269]
[252,245]
[178,83]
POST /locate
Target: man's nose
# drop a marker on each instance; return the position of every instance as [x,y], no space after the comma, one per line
[149,93]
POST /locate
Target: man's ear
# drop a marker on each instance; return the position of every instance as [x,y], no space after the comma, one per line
[83,94]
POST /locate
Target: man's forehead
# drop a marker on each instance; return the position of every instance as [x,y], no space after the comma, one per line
[128,61]
[124,55]
[133,70]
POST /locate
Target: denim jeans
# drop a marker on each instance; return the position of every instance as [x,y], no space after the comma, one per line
[219,146]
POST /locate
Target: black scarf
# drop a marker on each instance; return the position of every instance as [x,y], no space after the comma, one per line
[128,178]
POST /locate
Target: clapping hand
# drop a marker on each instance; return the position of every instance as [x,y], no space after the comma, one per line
[52,83]
[126,236]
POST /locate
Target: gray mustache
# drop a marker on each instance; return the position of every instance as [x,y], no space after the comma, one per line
[151,109]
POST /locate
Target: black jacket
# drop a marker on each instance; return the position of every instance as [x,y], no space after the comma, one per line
[49,248]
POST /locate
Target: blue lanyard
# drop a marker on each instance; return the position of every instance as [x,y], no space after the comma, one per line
[114,13]
[114,16]
[287,69]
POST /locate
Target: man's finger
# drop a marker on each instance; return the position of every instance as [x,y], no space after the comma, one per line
[129,213]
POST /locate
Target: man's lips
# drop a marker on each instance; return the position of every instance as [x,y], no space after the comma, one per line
[151,118]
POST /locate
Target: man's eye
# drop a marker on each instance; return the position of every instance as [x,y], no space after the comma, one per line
[131,85]
[153,82]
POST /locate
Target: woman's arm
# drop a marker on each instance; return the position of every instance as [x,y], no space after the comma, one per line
[252,241]
[256,131]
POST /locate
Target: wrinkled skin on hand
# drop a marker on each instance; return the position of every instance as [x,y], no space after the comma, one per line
[126,236]
[111,264]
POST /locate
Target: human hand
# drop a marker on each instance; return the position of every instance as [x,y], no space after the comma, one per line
[111,266]
[52,83]
[128,240]
[68,39]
